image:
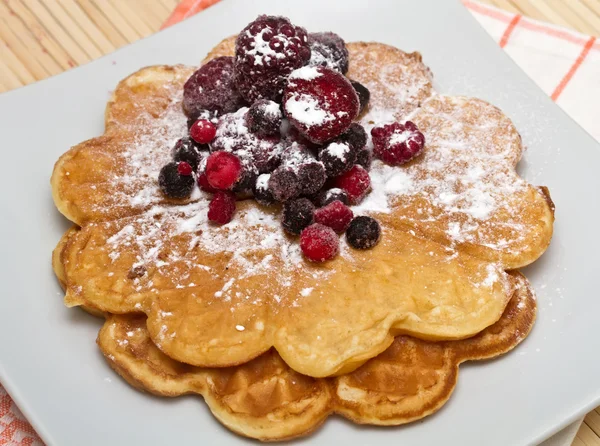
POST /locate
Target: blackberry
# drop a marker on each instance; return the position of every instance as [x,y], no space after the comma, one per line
[355,136]
[262,194]
[212,88]
[297,215]
[173,184]
[331,195]
[188,150]
[337,157]
[328,50]
[266,52]
[363,94]
[311,177]
[264,117]
[363,232]
[364,158]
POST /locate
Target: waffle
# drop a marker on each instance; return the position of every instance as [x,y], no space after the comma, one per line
[453,221]
[267,400]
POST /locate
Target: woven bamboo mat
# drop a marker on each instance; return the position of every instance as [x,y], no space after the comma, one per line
[40,38]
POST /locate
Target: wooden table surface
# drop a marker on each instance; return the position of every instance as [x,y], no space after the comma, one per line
[40,38]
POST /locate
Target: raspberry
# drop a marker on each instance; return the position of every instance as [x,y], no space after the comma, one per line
[336,215]
[396,143]
[337,157]
[262,194]
[204,184]
[221,207]
[212,88]
[259,154]
[284,184]
[184,168]
[264,118]
[320,102]
[363,95]
[223,170]
[355,136]
[297,215]
[363,233]
[328,50]
[331,195]
[203,131]
[173,184]
[319,243]
[187,150]
[266,52]
[356,182]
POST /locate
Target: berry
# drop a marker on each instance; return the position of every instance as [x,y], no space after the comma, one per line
[363,95]
[184,168]
[212,88]
[328,50]
[262,194]
[356,182]
[204,184]
[173,184]
[396,143]
[355,136]
[363,232]
[259,154]
[221,207]
[336,215]
[319,243]
[320,102]
[203,131]
[187,150]
[331,195]
[311,177]
[297,215]
[364,158]
[284,184]
[264,118]
[223,170]
[266,52]
[246,182]
[337,157]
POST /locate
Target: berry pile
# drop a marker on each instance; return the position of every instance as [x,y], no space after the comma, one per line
[275,123]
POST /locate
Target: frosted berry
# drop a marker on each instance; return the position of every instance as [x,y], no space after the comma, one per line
[173,184]
[320,102]
[203,131]
[264,118]
[297,214]
[311,177]
[246,182]
[331,195]
[223,170]
[363,232]
[364,157]
[258,153]
[319,243]
[184,168]
[267,50]
[356,183]
[355,136]
[363,94]
[284,184]
[262,194]
[204,185]
[337,157]
[328,50]
[336,215]
[222,207]
[212,88]
[396,143]
[187,150]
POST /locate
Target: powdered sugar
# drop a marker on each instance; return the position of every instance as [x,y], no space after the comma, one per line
[306,73]
[339,150]
[306,109]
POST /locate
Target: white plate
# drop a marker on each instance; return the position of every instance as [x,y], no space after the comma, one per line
[51,366]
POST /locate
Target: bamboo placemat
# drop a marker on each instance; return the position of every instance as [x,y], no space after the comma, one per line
[40,38]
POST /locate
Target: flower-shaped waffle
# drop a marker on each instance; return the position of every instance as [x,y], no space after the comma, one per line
[266,399]
[453,220]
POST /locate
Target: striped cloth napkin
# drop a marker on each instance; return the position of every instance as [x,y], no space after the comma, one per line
[564,63]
